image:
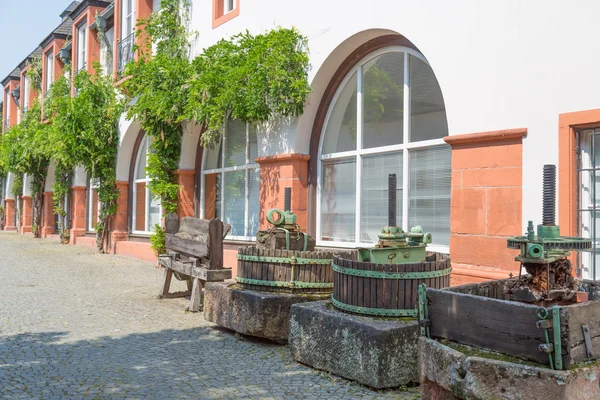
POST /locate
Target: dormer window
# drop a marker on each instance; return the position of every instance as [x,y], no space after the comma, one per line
[81,46]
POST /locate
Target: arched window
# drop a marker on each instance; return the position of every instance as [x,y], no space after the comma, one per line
[146,209]
[388,116]
[231,181]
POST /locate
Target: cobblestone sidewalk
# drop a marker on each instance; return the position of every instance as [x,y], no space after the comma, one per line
[79,325]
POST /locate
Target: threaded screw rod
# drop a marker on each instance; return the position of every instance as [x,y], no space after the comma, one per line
[287,203]
[392,200]
[549,202]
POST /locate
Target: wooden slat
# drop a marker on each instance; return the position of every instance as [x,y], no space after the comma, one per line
[498,325]
[215,243]
[187,246]
[573,318]
[191,224]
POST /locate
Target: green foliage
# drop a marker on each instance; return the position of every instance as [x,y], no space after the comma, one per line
[157,240]
[17,188]
[158,83]
[252,78]
[87,126]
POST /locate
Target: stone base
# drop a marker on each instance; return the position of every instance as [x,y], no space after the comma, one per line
[381,353]
[253,313]
[447,374]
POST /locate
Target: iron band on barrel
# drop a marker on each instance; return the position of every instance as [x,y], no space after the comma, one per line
[381,312]
[392,275]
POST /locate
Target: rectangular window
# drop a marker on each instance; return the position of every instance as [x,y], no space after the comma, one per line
[49,70]
[224,10]
[589,201]
[231,181]
[81,47]
[25,94]
[128,19]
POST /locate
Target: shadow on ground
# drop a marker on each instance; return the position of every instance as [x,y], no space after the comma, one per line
[192,363]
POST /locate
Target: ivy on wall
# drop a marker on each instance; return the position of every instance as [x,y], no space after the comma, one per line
[86,133]
[253,78]
[249,77]
[24,149]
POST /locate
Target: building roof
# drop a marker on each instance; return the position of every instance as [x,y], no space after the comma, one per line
[37,53]
[61,32]
[69,9]
[15,74]
[79,8]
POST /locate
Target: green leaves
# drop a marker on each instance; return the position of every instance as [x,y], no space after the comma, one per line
[252,78]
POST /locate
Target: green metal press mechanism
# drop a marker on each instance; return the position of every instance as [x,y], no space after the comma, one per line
[543,252]
[383,281]
[396,246]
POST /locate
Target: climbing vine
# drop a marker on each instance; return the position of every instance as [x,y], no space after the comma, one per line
[25,148]
[85,132]
[94,140]
[252,78]
[158,83]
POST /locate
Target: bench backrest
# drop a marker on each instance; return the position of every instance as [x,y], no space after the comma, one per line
[197,237]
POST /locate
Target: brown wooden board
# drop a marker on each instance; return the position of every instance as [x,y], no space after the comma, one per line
[573,317]
[498,325]
[188,246]
[194,225]
[202,273]
[215,243]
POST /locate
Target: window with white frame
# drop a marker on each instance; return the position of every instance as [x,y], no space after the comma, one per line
[49,70]
[7,101]
[128,19]
[231,181]
[388,116]
[228,6]
[25,94]
[81,46]
[146,209]
[93,206]
[588,215]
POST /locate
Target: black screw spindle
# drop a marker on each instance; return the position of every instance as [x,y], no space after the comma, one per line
[549,206]
[392,200]
[287,203]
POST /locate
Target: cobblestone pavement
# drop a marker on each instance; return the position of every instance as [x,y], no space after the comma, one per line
[80,325]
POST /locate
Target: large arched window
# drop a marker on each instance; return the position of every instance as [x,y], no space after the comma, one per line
[146,209]
[231,181]
[388,116]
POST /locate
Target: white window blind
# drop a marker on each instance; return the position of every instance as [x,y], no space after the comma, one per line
[387,117]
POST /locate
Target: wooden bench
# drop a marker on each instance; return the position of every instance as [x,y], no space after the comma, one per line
[194,254]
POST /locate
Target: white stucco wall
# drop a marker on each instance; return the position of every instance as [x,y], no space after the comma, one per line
[500,64]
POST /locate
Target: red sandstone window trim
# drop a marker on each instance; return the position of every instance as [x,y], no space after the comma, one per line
[219,17]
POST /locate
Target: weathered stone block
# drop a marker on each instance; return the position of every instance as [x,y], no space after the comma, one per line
[249,312]
[376,352]
[448,374]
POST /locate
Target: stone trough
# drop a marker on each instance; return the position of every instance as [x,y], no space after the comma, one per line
[544,351]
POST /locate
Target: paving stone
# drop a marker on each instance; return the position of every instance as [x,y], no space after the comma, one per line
[80,325]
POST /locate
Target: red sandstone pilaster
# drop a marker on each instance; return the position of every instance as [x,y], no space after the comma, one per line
[48,219]
[26,214]
[9,212]
[278,172]
[78,194]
